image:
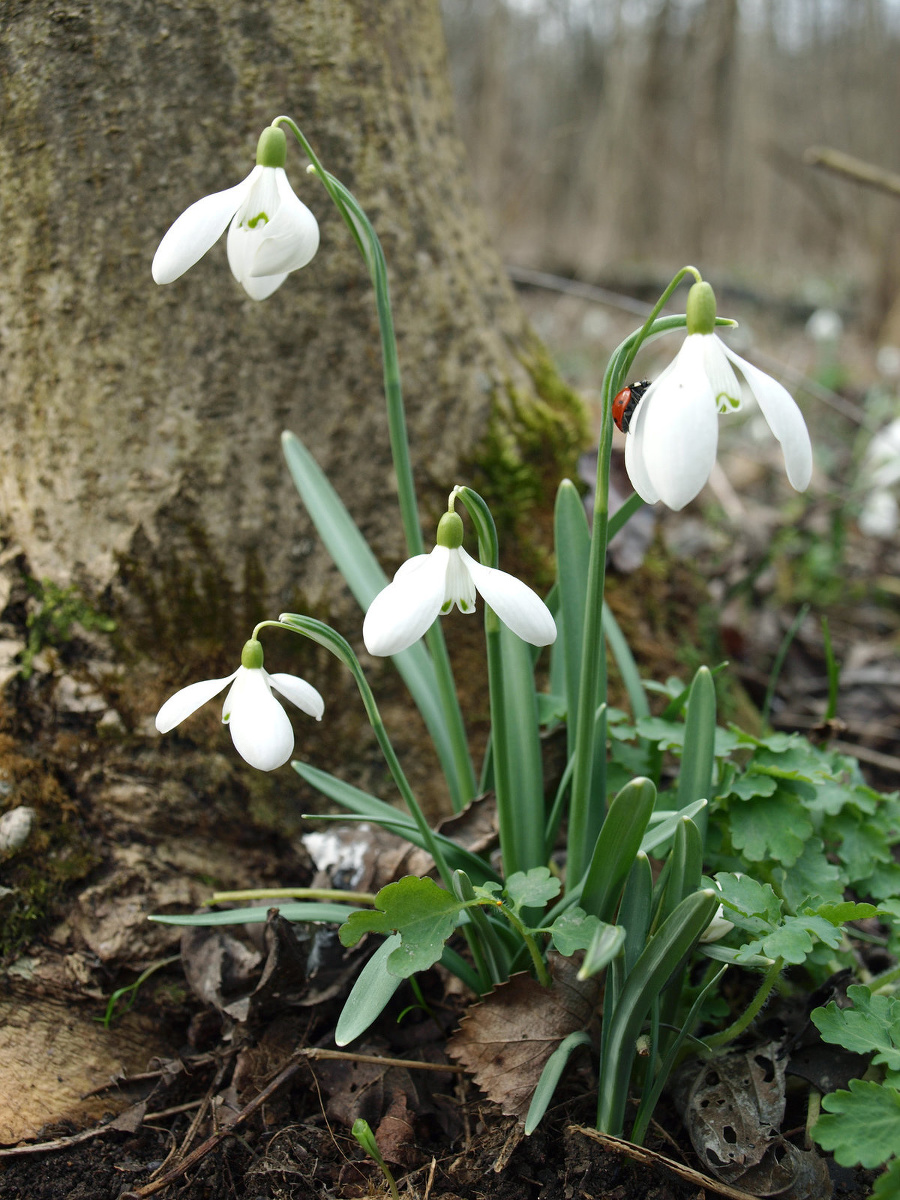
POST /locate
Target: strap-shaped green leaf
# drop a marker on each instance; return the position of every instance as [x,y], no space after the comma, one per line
[616,847]
[550,1076]
[369,995]
[698,759]
[365,578]
[309,910]
[572,539]
[661,957]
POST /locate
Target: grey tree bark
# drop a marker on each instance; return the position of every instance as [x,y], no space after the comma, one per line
[140,428]
[139,455]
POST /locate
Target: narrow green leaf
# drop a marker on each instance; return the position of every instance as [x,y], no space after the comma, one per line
[608,941]
[665,829]
[621,652]
[300,911]
[522,746]
[636,909]
[572,539]
[698,759]
[661,957]
[365,578]
[550,1076]
[372,809]
[616,847]
[369,995]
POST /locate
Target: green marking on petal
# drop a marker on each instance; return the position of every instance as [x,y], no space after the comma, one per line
[446,606]
[463,606]
[254,221]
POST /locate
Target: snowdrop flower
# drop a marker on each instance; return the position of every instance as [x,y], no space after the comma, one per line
[271,233]
[260,728]
[881,472]
[673,434]
[430,584]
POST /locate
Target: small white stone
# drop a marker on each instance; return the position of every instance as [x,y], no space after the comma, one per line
[15,827]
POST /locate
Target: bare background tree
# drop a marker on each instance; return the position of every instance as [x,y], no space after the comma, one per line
[617,140]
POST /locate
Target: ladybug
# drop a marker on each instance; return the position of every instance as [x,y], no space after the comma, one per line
[626,402]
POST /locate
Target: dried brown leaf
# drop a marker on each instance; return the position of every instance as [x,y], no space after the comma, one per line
[733,1110]
[505,1040]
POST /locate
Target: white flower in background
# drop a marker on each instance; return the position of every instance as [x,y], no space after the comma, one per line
[672,439]
[271,232]
[430,584]
[260,728]
[880,475]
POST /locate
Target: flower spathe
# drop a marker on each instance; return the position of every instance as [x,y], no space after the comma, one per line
[430,584]
[270,231]
[672,440]
[260,728]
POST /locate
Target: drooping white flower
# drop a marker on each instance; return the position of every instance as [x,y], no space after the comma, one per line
[430,584]
[672,439]
[260,728]
[271,231]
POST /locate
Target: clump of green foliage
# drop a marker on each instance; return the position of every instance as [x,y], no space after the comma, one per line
[50,622]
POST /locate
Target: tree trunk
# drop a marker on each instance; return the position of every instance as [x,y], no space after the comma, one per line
[140,461]
[140,448]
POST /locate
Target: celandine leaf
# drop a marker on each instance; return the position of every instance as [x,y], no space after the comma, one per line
[424,915]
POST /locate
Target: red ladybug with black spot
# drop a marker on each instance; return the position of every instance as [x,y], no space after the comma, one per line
[626,402]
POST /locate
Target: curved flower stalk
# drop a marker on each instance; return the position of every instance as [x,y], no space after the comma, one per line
[429,585]
[271,231]
[673,436]
[260,728]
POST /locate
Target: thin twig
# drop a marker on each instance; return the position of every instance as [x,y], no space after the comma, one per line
[653,1158]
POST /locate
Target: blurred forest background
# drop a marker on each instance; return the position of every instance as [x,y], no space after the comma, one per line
[615,140]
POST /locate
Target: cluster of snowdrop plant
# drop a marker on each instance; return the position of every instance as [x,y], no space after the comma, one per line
[573,878]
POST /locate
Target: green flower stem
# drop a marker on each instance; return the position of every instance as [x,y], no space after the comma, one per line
[540,967]
[585,817]
[370,248]
[296,893]
[718,1040]
[342,650]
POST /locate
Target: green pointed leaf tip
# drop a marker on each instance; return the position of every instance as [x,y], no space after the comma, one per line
[532,889]
[271,149]
[424,915]
[871,1026]
[868,1131]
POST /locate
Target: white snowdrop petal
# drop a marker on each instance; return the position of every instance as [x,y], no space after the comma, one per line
[680,430]
[514,602]
[260,728]
[634,457]
[187,701]
[401,613]
[291,237]
[299,692]
[459,587]
[724,383]
[784,419]
[197,230]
